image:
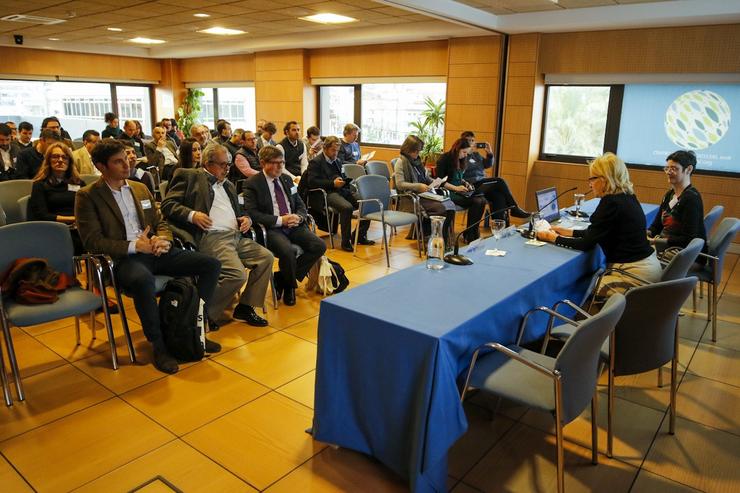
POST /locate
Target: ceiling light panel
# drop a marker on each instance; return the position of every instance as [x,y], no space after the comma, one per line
[328,18]
[222,31]
[147,41]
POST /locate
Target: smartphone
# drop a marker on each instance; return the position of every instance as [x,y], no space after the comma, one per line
[480,145]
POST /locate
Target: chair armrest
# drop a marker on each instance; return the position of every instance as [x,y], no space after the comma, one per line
[573,306]
[553,314]
[710,257]
[362,201]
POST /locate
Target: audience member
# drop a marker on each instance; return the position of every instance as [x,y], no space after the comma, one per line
[294,150]
[131,134]
[451,165]
[246,162]
[325,172]
[313,142]
[25,136]
[272,200]
[268,130]
[223,131]
[137,172]
[171,131]
[8,154]
[495,190]
[204,204]
[235,141]
[201,134]
[30,159]
[681,215]
[119,218]
[140,131]
[112,130]
[13,130]
[52,123]
[54,189]
[260,127]
[82,161]
[410,175]
[161,152]
[349,148]
[189,153]
[617,226]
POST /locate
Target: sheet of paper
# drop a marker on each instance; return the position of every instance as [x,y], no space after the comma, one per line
[437,182]
[368,156]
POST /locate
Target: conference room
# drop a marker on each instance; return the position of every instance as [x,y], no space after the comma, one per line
[480,148]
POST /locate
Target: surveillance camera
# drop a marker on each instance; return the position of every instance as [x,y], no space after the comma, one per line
[18,39]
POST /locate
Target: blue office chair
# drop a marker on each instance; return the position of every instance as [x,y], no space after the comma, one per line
[10,192]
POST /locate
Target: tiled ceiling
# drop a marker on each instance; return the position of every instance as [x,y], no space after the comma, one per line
[173,20]
[503,7]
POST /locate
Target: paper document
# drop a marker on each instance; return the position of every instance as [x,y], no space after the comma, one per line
[368,156]
[437,182]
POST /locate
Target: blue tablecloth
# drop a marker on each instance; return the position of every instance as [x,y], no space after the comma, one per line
[390,351]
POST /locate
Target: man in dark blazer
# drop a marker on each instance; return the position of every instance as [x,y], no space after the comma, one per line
[120,218]
[8,153]
[204,204]
[325,171]
[161,152]
[29,160]
[272,200]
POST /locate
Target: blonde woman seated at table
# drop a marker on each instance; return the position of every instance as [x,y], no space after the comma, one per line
[410,175]
[617,226]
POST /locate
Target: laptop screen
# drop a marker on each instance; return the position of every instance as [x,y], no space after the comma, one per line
[545,196]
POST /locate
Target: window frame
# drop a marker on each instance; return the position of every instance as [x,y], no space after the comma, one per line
[216,115]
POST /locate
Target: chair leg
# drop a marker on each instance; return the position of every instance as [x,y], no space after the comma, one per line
[109,328]
[693,299]
[4,379]
[701,290]
[610,401]
[77,330]
[331,232]
[595,428]
[660,377]
[559,434]
[91,323]
[714,312]
[274,291]
[357,237]
[12,359]
[674,383]
[710,301]
[385,242]
[122,315]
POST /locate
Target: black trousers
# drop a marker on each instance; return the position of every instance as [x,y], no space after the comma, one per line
[475,206]
[135,275]
[294,269]
[345,203]
[497,193]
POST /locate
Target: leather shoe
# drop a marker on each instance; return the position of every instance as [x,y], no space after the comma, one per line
[245,313]
[365,241]
[277,283]
[520,213]
[112,308]
[164,362]
[212,346]
[347,246]
[213,326]
[289,296]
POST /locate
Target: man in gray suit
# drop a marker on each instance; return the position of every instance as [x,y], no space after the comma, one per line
[204,205]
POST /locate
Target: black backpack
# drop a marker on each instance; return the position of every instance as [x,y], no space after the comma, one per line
[179,313]
[339,279]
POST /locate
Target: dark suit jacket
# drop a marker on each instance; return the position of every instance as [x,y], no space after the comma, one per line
[100,223]
[321,174]
[28,163]
[10,172]
[258,200]
[154,157]
[190,190]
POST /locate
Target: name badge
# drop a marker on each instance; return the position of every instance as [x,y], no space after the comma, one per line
[672,203]
[146,204]
[293,190]
[139,173]
[355,153]
[73,188]
[471,160]
[240,199]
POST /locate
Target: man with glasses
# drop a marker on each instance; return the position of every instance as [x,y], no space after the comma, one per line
[681,215]
[246,162]
[272,200]
[204,204]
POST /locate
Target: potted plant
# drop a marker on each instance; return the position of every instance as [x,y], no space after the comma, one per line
[428,128]
[189,110]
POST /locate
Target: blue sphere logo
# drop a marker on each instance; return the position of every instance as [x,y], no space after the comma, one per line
[697,119]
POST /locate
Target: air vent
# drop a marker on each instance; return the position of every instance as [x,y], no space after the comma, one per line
[32,19]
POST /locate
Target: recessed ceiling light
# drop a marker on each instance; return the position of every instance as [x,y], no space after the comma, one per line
[53,39]
[328,18]
[115,29]
[147,41]
[222,31]
[201,14]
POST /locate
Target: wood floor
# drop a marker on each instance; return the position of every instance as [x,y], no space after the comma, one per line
[236,421]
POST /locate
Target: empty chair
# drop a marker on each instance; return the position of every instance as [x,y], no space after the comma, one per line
[51,241]
[10,192]
[374,200]
[2,216]
[711,272]
[353,171]
[562,386]
[645,338]
[378,168]
[23,208]
[711,218]
[163,189]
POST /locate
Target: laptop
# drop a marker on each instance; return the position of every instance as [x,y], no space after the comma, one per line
[551,213]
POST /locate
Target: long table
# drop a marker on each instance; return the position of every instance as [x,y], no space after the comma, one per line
[390,352]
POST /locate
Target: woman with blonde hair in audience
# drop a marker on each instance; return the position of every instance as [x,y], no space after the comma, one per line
[54,188]
[617,225]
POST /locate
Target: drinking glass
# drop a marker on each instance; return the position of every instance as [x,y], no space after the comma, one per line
[497,227]
[578,199]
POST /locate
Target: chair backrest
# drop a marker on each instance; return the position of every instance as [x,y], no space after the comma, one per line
[43,239]
[719,242]
[2,216]
[645,335]
[23,208]
[680,264]
[378,168]
[353,171]
[711,218]
[163,188]
[579,359]
[77,143]
[89,178]
[10,192]
[373,187]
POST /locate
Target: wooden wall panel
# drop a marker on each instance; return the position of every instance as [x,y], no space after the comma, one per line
[279,98]
[29,61]
[484,49]
[234,68]
[428,58]
[693,49]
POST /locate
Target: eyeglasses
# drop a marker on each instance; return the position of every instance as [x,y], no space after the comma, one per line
[277,162]
[58,157]
[591,179]
[222,164]
[671,169]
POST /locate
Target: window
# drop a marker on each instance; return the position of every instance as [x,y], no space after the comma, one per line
[234,104]
[134,104]
[575,121]
[383,111]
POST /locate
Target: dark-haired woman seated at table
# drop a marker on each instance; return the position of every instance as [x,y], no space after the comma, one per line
[617,226]
[54,189]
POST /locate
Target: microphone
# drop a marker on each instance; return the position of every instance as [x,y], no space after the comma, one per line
[530,230]
[455,257]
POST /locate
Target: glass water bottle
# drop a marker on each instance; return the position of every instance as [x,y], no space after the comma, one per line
[436,245]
